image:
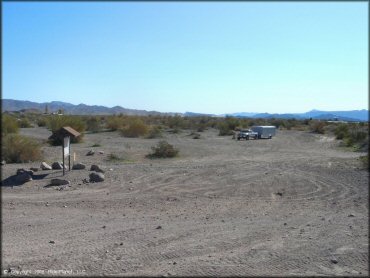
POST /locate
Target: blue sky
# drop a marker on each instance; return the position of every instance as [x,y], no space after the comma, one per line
[200,57]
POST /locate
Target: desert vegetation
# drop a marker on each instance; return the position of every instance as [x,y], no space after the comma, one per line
[19,149]
[351,135]
[163,150]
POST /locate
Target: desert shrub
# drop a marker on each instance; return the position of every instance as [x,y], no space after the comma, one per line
[8,125]
[57,122]
[176,122]
[24,123]
[18,149]
[318,127]
[224,129]
[163,150]
[41,122]
[341,131]
[195,135]
[115,123]
[365,161]
[135,128]
[93,124]
[228,125]
[154,132]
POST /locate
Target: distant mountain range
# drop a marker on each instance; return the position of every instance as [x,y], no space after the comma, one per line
[83,109]
[71,109]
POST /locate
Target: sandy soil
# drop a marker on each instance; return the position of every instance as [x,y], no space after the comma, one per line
[293,205]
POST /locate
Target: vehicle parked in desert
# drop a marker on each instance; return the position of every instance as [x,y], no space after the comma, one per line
[247,134]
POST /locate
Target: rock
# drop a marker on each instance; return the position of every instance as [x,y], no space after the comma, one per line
[101,152]
[279,193]
[90,152]
[78,166]
[351,215]
[334,261]
[23,177]
[52,241]
[159,227]
[96,177]
[96,168]
[57,166]
[45,166]
[21,171]
[3,162]
[34,169]
[59,182]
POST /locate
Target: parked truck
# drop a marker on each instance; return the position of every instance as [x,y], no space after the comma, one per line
[264,131]
[247,134]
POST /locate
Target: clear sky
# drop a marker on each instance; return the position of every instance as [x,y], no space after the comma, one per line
[204,57]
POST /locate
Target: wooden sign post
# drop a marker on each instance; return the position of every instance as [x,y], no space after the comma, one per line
[66,152]
[65,134]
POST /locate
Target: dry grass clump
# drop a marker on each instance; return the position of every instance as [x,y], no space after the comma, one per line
[19,149]
[163,150]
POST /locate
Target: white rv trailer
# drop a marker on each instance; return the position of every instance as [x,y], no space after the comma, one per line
[264,131]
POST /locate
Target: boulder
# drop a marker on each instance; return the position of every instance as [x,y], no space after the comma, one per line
[21,171]
[78,166]
[96,168]
[59,182]
[96,177]
[23,177]
[45,166]
[91,152]
[57,166]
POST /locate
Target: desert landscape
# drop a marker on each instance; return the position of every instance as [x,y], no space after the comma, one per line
[293,205]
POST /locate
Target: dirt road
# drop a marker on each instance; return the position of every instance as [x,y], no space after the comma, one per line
[293,205]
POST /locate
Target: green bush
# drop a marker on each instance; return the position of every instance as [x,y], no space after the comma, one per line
[115,123]
[154,132]
[365,161]
[24,123]
[19,149]
[341,131]
[93,124]
[163,150]
[134,129]
[55,123]
[224,129]
[41,122]
[8,125]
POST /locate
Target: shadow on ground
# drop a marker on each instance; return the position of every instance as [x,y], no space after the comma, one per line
[12,180]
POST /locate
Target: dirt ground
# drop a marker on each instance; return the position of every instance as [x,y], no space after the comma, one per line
[293,205]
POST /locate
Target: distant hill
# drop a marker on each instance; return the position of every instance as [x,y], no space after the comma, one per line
[83,109]
[68,108]
[353,115]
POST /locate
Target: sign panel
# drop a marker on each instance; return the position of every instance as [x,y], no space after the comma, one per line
[66,146]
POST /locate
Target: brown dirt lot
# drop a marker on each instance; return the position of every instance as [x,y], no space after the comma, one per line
[217,204]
